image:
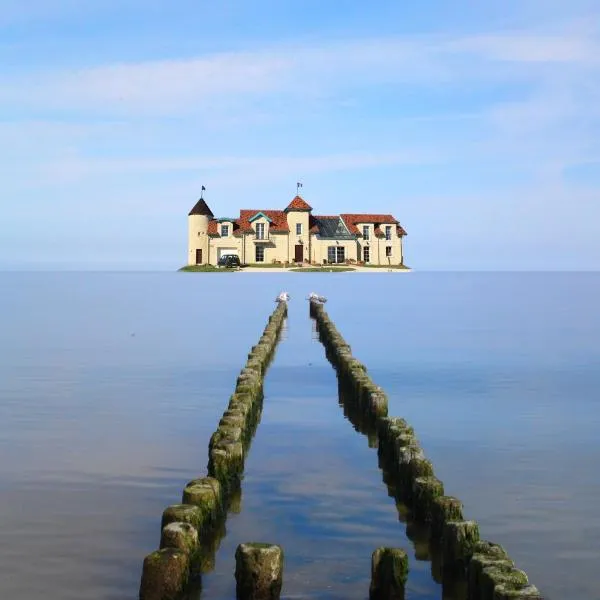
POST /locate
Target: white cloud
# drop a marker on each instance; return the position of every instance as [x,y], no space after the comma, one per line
[300,72]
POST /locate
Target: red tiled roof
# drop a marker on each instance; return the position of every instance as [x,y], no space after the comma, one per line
[298,203]
[278,221]
[352,219]
[212,227]
[215,231]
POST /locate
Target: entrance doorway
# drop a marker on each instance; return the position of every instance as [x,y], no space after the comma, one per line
[367,254]
[299,253]
[198,257]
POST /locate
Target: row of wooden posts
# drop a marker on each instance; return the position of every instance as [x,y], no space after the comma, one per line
[485,567]
[186,527]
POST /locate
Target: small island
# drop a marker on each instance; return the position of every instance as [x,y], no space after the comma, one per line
[294,239]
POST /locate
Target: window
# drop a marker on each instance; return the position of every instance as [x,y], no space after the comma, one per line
[260,254]
[388,232]
[336,254]
[260,231]
[388,251]
[298,228]
[366,232]
[367,254]
[224,230]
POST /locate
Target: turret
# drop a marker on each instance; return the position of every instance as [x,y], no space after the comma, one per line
[198,220]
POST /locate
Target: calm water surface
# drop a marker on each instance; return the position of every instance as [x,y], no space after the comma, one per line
[111,384]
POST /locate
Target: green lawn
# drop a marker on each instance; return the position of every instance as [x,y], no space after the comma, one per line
[265,266]
[401,267]
[204,269]
[322,269]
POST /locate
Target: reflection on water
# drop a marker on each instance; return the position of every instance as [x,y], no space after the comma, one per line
[111,385]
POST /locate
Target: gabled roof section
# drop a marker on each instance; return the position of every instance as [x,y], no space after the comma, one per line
[351,220]
[258,215]
[215,231]
[278,221]
[330,227]
[298,203]
[201,208]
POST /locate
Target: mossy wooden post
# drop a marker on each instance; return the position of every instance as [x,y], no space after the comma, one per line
[182,513]
[500,573]
[505,592]
[258,571]
[205,493]
[164,574]
[425,491]
[443,510]
[182,536]
[389,572]
[485,554]
[459,539]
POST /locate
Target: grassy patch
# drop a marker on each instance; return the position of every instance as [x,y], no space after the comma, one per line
[264,266]
[400,267]
[322,269]
[204,269]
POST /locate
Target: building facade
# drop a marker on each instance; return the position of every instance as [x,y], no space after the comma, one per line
[294,235]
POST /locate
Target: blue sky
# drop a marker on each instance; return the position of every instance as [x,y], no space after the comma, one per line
[476,124]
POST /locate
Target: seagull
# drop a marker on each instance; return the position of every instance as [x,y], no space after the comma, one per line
[312,297]
[283,297]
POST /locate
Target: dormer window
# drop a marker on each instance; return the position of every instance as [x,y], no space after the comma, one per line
[224,230]
[366,232]
[260,231]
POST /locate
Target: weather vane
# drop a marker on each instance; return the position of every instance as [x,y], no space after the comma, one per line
[202,193]
[298,186]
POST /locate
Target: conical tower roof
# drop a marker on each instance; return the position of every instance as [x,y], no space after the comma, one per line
[201,208]
[298,203]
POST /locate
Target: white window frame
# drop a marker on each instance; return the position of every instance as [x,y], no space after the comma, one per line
[259,248]
[225,230]
[366,250]
[260,231]
[331,251]
[388,232]
[298,228]
[341,252]
[366,232]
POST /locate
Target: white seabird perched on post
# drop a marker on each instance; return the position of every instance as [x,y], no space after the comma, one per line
[283,297]
[312,297]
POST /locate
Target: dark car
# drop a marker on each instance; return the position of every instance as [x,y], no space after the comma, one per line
[229,261]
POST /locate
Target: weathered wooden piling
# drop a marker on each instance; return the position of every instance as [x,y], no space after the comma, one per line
[506,592]
[389,572]
[189,528]
[182,536]
[164,574]
[443,510]
[425,491]
[258,571]
[458,545]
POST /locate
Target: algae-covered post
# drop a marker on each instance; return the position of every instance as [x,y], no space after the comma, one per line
[389,572]
[164,574]
[258,571]
[189,528]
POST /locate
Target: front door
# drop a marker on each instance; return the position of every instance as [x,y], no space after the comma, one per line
[367,254]
[299,253]
[198,257]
